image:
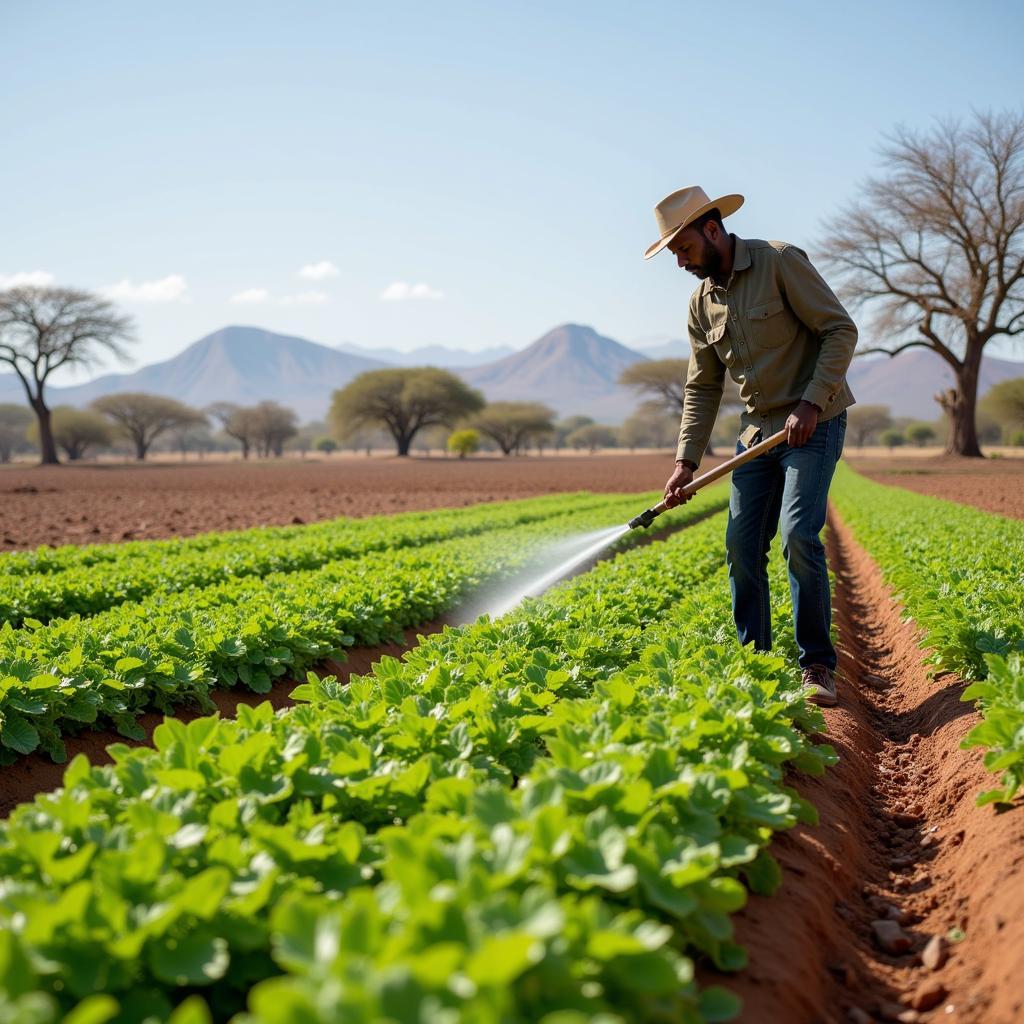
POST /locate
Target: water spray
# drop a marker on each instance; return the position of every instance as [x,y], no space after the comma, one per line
[647,517]
[576,552]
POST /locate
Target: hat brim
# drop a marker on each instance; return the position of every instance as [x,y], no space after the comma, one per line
[725,204]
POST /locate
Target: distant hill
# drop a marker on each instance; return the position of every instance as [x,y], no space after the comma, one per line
[430,355]
[235,364]
[572,368]
[676,348]
[907,382]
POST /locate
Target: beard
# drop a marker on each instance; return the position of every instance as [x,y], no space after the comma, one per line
[710,262]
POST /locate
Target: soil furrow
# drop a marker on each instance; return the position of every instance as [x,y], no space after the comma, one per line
[902,862]
[937,932]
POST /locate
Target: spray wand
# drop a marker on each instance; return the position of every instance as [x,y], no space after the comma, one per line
[647,517]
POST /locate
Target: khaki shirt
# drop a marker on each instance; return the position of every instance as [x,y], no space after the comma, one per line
[779,330]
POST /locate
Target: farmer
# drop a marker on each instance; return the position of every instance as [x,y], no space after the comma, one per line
[764,313]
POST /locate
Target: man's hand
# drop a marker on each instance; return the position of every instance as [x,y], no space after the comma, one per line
[801,424]
[680,477]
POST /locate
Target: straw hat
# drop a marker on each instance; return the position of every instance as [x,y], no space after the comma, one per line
[674,212]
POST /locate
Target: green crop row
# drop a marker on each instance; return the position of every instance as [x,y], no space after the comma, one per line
[172,649]
[960,573]
[538,819]
[58,582]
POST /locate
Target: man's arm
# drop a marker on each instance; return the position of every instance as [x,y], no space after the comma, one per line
[816,305]
[702,395]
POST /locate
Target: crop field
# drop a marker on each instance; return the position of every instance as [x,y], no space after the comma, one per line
[593,807]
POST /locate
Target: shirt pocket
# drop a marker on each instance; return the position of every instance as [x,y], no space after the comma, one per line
[721,344]
[771,324]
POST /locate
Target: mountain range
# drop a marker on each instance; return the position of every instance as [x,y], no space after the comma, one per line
[572,368]
[430,355]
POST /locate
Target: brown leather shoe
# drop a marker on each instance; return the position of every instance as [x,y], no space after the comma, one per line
[823,681]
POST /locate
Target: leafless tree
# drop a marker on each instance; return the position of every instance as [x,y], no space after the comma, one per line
[43,329]
[934,250]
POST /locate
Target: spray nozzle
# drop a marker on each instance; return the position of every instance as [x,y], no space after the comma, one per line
[645,519]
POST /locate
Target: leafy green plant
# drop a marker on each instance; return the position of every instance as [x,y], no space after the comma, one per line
[960,573]
[545,817]
[172,649]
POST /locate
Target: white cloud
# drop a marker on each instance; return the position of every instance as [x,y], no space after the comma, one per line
[401,291]
[319,271]
[165,289]
[27,279]
[250,295]
[305,299]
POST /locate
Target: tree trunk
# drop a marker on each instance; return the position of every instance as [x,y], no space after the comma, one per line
[402,443]
[140,449]
[47,446]
[960,405]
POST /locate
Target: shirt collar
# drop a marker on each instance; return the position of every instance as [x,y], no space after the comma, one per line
[740,261]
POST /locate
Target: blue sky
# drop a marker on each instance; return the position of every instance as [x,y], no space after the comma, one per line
[468,174]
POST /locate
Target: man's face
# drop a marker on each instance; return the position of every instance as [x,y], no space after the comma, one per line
[695,253]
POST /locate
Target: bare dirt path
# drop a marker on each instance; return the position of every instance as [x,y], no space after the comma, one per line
[994,485]
[901,856]
[114,502]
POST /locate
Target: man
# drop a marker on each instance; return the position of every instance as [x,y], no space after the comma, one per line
[766,315]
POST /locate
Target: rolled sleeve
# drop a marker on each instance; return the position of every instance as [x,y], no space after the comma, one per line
[811,299]
[702,394]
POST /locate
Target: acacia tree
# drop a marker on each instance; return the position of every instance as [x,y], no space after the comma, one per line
[238,422]
[78,430]
[664,381]
[650,426]
[43,329]
[1006,400]
[865,420]
[143,418]
[273,424]
[511,424]
[934,250]
[403,401]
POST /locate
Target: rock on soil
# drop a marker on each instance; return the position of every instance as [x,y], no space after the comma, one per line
[934,955]
[891,937]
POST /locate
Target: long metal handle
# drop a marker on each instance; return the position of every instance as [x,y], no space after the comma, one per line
[646,518]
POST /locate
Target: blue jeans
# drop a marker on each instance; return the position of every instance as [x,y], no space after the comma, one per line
[785,487]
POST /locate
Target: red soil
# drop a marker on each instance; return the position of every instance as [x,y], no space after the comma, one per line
[111,502]
[899,836]
[995,485]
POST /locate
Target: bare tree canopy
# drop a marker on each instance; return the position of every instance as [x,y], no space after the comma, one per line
[664,380]
[934,250]
[403,400]
[143,418]
[43,329]
[511,424]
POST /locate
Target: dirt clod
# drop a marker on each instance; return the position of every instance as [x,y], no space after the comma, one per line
[891,937]
[928,995]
